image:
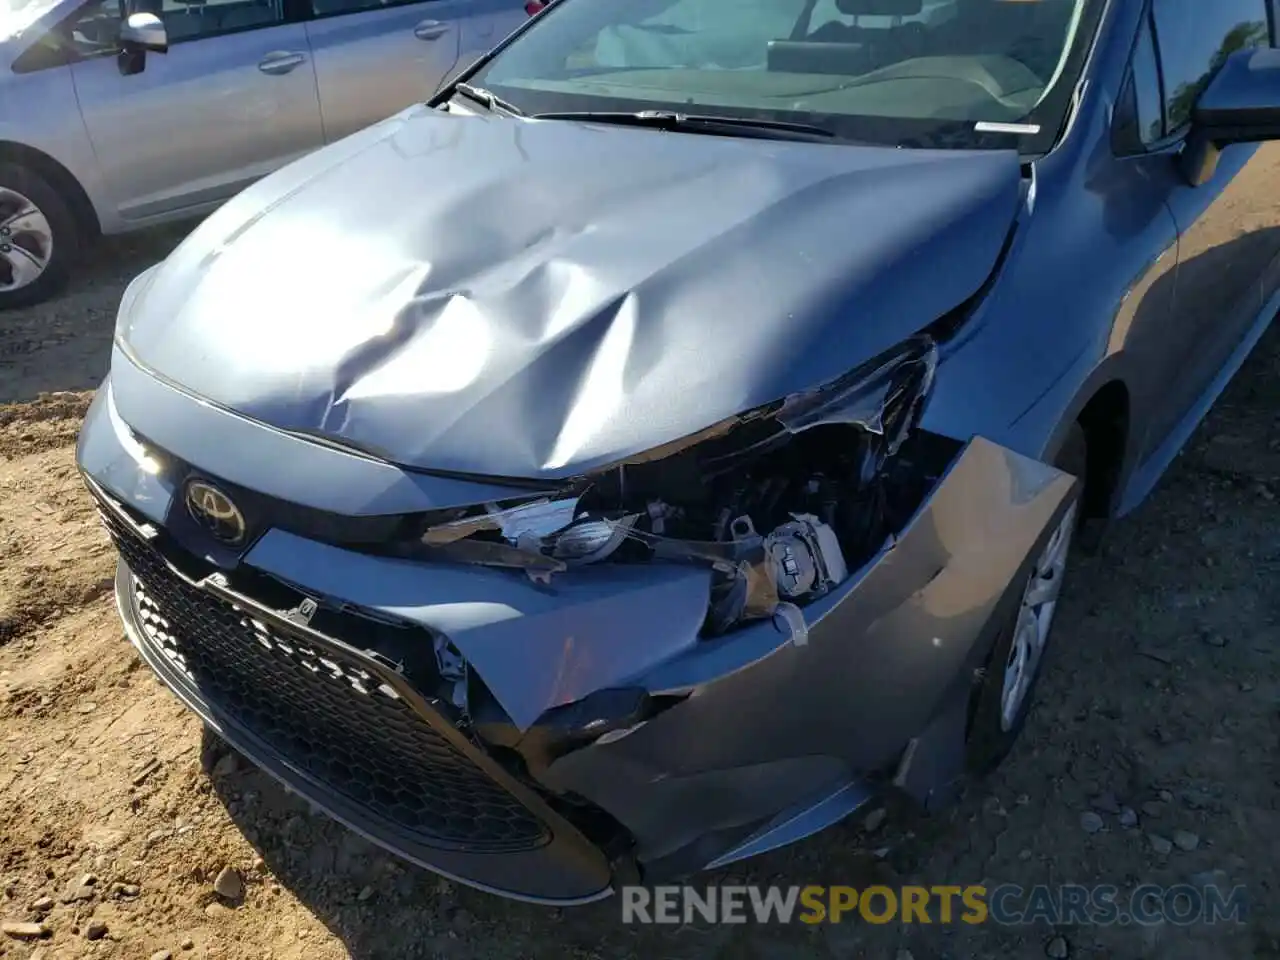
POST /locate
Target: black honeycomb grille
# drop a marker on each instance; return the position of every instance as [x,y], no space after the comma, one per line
[325,713]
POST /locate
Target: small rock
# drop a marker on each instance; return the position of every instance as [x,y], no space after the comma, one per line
[1128,818]
[993,807]
[215,910]
[874,820]
[1159,844]
[226,766]
[1185,840]
[23,931]
[1160,656]
[1166,796]
[1246,686]
[144,770]
[905,954]
[1213,639]
[1195,800]
[881,853]
[162,955]
[42,905]
[364,894]
[88,707]
[1090,821]
[96,930]
[1106,802]
[228,884]
[77,893]
[1057,948]
[130,890]
[187,944]
[1022,799]
[1152,808]
[1024,854]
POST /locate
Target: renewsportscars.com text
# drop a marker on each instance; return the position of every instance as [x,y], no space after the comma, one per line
[1007,904]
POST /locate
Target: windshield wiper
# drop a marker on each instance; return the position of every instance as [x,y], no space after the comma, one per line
[696,122]
[487,98]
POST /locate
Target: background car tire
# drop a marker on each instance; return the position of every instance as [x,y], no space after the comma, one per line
[20,181]
[990,739]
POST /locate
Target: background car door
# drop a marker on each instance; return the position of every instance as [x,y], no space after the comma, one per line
[232,100]
[1229,227]
[487,23]
[373,60]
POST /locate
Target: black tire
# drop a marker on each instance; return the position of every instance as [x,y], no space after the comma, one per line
[64,229]
[988,741]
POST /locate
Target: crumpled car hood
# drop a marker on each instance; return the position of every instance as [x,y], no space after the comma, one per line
[533,299]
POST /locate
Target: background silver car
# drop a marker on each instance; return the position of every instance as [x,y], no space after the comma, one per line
[101,130]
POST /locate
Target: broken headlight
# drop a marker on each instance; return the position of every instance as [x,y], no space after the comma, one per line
[781,502]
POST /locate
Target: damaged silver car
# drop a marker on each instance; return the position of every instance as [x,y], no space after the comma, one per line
[673,436]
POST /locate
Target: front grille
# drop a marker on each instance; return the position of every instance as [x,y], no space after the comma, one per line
[322,711]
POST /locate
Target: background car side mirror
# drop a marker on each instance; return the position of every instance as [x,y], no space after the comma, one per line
[1241,104]
[139,34]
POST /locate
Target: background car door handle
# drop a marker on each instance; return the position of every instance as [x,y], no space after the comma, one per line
[430,30]
[277,63]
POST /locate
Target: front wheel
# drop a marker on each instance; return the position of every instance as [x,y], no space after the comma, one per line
[1004,698]
[39,237]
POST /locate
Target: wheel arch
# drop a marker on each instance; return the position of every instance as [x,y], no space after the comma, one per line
[1105,418]
[1102,409]
[59,177]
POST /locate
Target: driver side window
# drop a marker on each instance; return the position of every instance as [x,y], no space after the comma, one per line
[1148,96]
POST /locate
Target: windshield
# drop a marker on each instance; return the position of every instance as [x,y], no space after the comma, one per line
[935,73]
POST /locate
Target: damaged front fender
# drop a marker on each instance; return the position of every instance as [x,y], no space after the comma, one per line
[888,651]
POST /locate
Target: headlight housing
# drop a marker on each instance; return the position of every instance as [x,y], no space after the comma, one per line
[781,501]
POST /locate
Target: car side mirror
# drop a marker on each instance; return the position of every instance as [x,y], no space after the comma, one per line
[1241,104]
[139,34]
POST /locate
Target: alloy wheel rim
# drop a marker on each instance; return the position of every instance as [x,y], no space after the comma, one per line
[26,241]
[1035,619]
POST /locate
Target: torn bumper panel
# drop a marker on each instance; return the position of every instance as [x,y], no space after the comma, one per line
[604,730]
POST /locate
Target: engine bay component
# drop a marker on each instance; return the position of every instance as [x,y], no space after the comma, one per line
[807,559]
[818,473]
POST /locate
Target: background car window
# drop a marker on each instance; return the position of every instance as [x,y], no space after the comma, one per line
[95,29]
[1195,37]
[194,21]
[329,8]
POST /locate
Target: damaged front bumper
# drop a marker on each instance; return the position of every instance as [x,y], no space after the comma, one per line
[609,739]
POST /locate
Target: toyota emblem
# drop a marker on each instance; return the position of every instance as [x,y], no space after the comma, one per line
[216,512]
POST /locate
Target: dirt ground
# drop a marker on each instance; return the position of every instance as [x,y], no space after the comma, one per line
[1163,693]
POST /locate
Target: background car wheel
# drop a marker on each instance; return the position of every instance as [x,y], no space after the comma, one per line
[1006,693]
[39,237]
